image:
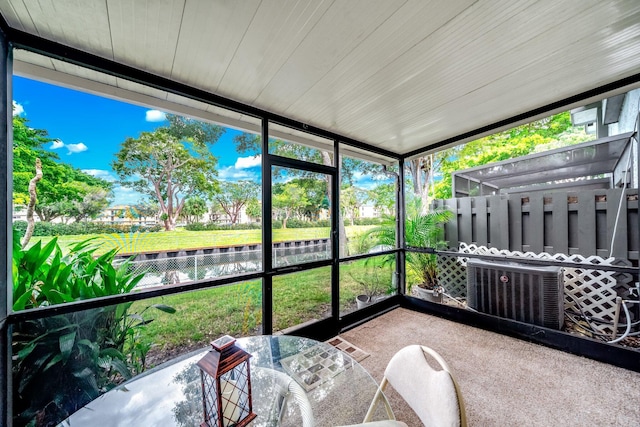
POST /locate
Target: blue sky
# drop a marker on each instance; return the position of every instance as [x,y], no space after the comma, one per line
[89,130]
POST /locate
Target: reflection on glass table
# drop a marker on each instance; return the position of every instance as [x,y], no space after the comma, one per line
[295,382]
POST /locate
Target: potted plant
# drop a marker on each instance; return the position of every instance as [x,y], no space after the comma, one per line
[424,232]
[372,285]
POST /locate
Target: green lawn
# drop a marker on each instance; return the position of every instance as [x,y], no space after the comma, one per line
[202,316]
[234,309]
[182,239]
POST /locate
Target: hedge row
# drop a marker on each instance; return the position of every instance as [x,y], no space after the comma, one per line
[199,226]
[51,229]
[291,223]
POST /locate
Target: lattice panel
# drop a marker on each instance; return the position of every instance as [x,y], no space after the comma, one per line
[591,293]
[588,292]
[452,276]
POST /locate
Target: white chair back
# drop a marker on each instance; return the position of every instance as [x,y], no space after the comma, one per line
[431,393]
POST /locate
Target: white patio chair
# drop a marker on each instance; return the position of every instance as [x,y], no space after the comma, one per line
[433,394]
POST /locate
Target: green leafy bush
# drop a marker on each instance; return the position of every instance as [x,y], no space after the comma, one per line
[369,221]
[80,228]
[62,362]
[210,226]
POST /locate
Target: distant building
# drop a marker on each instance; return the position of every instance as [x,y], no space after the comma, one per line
[125,215]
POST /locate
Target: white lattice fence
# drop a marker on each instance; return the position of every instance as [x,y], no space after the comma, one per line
[452,275]
[588,292]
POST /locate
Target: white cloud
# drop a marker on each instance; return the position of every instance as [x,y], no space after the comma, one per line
[100,173]
[17,109]
[57,144]
[155,116]
[76,148]
[248,162]
[72,148]
[231,173]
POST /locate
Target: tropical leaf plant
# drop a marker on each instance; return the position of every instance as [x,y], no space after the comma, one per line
[80,355]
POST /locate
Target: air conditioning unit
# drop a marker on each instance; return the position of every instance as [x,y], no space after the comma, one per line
[526,293]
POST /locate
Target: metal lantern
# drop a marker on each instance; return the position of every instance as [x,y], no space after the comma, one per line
[226,385]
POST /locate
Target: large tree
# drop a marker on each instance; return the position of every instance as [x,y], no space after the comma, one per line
[351,199]
[288,199]
[234,196]
[170,164]
[62,188]
[251,143]
[94,202]
[383,197]
[194,208]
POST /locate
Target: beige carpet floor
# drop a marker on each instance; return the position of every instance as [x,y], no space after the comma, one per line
[505,381]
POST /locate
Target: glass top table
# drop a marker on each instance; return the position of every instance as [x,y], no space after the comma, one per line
[295,382]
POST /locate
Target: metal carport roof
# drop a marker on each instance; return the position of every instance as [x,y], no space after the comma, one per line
[598,163]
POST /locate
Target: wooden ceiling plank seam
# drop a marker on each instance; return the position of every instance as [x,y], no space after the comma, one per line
[235,46]
[318,13]
[350,53]
[387,40]
[237,49]
[334,36]
[432,47]
[73,25]
[153,44]
[208,38]
[271,43]
[17,16]
[445,91]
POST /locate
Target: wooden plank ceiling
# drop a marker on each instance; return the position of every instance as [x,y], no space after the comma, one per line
[396,74]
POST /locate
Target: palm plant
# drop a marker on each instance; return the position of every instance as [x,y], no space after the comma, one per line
[423,231]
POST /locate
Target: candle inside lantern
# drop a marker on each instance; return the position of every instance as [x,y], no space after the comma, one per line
[230,402]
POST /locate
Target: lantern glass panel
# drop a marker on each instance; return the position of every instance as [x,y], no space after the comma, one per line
[210,399]
[235,394]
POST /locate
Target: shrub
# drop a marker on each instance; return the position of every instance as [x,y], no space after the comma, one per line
[79,355]
[80,228]
[199,226]
[298,223]
[369,221]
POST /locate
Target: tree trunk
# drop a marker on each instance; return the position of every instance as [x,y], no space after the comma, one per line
[169,224]
[33,197]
